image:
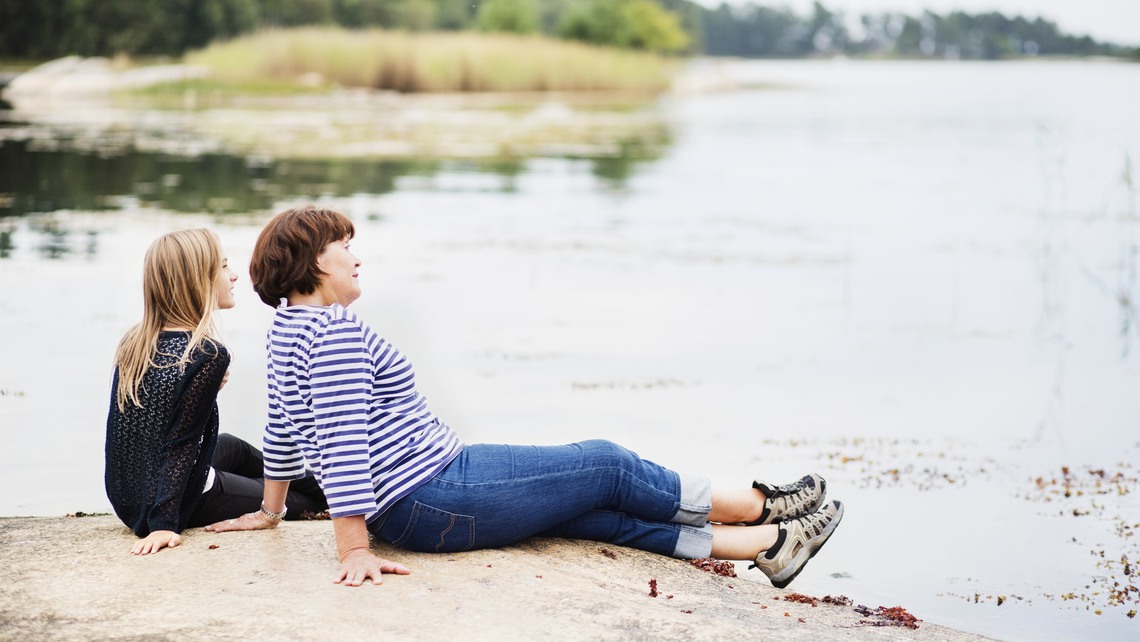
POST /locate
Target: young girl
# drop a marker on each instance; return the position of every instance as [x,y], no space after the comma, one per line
[162,427]
[343,400]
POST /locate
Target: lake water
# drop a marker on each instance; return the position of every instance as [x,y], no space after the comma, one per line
[919,279]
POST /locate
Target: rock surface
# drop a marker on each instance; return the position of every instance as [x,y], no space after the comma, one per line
[76,75]
[73,579]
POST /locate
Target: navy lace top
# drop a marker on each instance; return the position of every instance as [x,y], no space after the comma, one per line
[158,456]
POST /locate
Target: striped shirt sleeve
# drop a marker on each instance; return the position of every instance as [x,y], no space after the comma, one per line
[340,389]
[283,460]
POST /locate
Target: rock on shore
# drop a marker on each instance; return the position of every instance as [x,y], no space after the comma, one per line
[73,579]
[76,75]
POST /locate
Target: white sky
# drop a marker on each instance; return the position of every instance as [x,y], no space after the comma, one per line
[1116,21]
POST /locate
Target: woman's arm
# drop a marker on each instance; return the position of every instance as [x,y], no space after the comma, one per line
[273,499]
[357,563]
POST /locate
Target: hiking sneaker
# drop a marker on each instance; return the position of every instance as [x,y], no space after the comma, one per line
[799,540]
[790,501]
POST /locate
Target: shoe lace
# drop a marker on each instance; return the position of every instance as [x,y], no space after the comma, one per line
[814,523]
[790,489]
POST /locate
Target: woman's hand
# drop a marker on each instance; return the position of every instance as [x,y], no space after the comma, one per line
[254,521]
[225,378]
[155,542]
[359,564]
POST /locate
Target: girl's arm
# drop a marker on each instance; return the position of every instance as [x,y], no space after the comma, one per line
[155,542]
[182,448]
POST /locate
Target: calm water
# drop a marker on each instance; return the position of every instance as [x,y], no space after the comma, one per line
[918,279]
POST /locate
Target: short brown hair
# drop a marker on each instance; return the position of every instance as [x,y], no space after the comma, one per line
[285,256]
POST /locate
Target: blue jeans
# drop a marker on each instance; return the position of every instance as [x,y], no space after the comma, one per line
[493,495]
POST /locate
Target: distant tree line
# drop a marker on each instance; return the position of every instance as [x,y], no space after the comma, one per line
[756,31]
[41,29]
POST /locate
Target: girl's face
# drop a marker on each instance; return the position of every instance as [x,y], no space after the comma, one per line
[340,283]
[225,286]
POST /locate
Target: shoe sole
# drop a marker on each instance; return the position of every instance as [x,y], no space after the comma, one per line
[785,577]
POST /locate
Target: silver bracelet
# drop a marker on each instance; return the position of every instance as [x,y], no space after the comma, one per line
[271,515]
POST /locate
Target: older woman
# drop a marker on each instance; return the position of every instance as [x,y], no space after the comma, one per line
[343,401]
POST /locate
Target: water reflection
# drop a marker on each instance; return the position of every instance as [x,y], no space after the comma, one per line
[6,245]
[1126,288]
[39,179]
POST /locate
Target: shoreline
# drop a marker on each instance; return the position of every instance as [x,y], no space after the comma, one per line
[72,578]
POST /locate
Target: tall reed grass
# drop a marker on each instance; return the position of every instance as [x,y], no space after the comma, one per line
[432,62]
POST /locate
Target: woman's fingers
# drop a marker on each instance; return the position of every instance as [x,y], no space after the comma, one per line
[248,522]
[362,565]
[220,527]
[356,577]
[387,566]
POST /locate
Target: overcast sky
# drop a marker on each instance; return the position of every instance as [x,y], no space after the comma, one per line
[1116,21]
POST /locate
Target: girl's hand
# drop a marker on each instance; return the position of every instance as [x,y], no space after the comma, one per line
[225,378]
[155,542]
[254,521]
[359,564]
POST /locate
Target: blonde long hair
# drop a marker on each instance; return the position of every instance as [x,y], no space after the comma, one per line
[180,275]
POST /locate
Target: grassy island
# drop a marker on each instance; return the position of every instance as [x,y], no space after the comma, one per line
[428,62]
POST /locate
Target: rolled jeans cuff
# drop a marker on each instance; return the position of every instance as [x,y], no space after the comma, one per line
[693,543]
[695,502]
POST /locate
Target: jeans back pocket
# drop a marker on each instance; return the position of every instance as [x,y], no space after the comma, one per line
[431,530]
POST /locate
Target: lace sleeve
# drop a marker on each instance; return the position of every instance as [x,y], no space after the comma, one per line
[196,403]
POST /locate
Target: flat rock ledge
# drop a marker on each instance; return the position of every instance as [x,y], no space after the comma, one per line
[72,578]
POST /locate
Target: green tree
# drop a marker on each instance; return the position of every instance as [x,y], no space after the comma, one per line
[634,24]
[595,21]
[210,19]
[416,15]
[292,13]
[363,13]
[453,15]
[653,28]
[510,16]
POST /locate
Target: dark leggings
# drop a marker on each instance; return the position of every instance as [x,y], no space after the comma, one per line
[238,486]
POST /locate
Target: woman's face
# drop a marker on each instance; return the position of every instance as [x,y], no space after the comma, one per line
[225,286]
[340,283]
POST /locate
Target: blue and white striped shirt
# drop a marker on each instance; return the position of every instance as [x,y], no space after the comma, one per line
[344,401]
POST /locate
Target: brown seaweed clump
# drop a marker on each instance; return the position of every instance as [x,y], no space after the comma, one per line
[712,565]
[802,599]
[887,616]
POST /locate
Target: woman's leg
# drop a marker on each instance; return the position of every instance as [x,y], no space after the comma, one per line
[736,505]
[726,542]
[496,495]
[742,542]
[664,538]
